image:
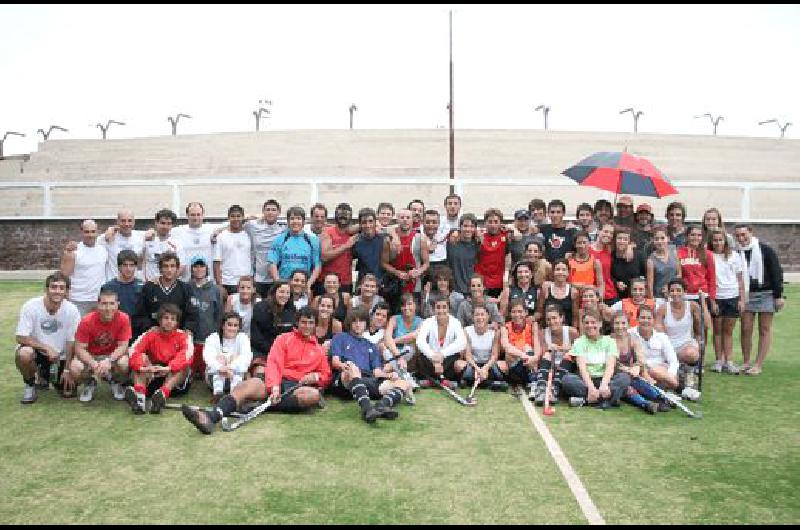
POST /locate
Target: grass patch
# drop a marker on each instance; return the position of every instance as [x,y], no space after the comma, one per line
[69,462]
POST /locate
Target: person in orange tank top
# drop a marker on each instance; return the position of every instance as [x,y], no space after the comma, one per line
[584,269]
[521,344]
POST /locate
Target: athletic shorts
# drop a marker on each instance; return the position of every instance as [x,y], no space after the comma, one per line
[182,388]
[345,391]
[728,307]
[760,302]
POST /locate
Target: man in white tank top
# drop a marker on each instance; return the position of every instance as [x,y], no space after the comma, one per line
[85,264]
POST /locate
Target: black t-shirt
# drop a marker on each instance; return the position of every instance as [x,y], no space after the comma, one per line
[461,257]
[625,271]
[557,241]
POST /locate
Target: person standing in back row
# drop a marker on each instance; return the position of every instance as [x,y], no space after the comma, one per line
[764,281]
[85,264]
[232,258]
[336,245]
[559,241]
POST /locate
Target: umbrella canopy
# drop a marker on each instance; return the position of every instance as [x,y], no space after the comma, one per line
[621,173]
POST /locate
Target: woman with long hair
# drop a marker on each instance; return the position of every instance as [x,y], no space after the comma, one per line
[327,324]
[520,285]
[729,269]
[561,293]
[330,285]
[271,317]
[662,265]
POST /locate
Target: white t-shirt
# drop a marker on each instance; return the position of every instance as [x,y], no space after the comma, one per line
[134,242]
[658,350]
[54,330]
[233,252]
[90,273]
[726,271]
[153,250]
[195,242]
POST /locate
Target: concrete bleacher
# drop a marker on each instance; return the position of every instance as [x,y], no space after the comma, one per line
[369,160]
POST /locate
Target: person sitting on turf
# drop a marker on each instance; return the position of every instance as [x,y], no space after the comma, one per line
[660,357]
[596,355]
[633,361]
[376,330]
[101,348]
[227,356]
[401,333]
[358,371]
[482,353]
[45,336]
[296,361]
[556,342]
[591,301]
[160,363]
[440,343]
[521,344]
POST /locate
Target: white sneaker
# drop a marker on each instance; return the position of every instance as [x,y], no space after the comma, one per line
[691,394]
[88,391]
[117,390]
[718,367]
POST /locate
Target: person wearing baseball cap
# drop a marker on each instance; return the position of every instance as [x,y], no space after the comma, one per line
[206,298]
[643,229]
[522,234]
[624,212]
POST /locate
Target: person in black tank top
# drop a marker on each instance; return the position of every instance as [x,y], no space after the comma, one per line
[568,304]
[521,287]
[326,319]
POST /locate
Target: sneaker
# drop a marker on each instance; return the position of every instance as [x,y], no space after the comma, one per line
[517,391]
[577,401]
[29,394]
[691,394]
[533,392]
[387,412]
[371,414]
[410,399]
[157,402]
[719,367]
[555,391]
[731,368]
[691,379]
[664,406]
[452,385]
[540,393]
[88,391]
[117,390]
[498,386]
[652,407]
[204,424]
[135,400]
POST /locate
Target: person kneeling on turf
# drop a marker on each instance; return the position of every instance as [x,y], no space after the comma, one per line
[160,363]
[101,348]
[351,356]
[296,360]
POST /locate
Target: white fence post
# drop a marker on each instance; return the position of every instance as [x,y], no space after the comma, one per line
[47,200]
[314,193]
[745,213]
[176,197]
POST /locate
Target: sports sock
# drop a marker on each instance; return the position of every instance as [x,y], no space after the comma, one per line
[468,375]
[361,394]
[30,381]
[288,404]
[225,407]
[165,391]
[392,398]
[139,389]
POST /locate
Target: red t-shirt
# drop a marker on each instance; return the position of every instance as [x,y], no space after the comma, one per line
[343,263]
[492,259]
[604,257]
[102,337]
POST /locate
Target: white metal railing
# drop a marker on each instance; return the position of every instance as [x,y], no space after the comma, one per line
[461,186]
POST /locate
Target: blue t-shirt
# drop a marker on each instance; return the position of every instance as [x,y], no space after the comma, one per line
[291,252]
[128,294]
[367,253]
[358,350]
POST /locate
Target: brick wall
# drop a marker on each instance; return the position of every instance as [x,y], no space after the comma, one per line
[35,245]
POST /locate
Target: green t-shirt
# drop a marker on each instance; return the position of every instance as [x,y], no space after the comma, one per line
[595,352]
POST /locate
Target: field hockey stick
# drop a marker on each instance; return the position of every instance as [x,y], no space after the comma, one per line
[548,410]
[703,343]
[673,399]
[459,399]
[471,396]
[233,425]
[403,373]
[178,406]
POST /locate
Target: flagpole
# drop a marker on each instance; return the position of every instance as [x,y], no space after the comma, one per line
[450,108]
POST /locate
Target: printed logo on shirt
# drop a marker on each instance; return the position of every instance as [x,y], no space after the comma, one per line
[104,339]
[197,241]
[50,326]
[556,241]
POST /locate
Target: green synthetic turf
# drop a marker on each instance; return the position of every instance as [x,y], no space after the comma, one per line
[65,461]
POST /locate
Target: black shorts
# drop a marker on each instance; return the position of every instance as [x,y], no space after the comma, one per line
[373,385]
[494,292]
[181,389]
[728,307]
[43,365]
[425,368]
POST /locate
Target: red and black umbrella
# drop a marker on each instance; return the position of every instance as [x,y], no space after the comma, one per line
[621,173]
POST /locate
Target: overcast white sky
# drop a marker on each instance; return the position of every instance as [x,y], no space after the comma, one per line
[77,65]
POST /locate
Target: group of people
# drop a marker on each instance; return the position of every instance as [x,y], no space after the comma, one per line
[608,307]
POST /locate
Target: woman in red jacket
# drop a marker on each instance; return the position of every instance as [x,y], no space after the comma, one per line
[698,271]
[160,363]
[492,255]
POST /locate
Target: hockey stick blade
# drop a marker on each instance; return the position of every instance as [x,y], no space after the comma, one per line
[177,406]
[228,426]
[460,400]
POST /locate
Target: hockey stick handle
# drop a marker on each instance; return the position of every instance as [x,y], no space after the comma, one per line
[257,411]
[672,400]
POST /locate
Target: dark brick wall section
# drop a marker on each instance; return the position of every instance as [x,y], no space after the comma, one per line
[32,245]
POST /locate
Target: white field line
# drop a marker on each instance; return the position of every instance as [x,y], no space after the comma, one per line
[573,481]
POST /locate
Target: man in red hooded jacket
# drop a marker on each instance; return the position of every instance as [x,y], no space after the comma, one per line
[296,359]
